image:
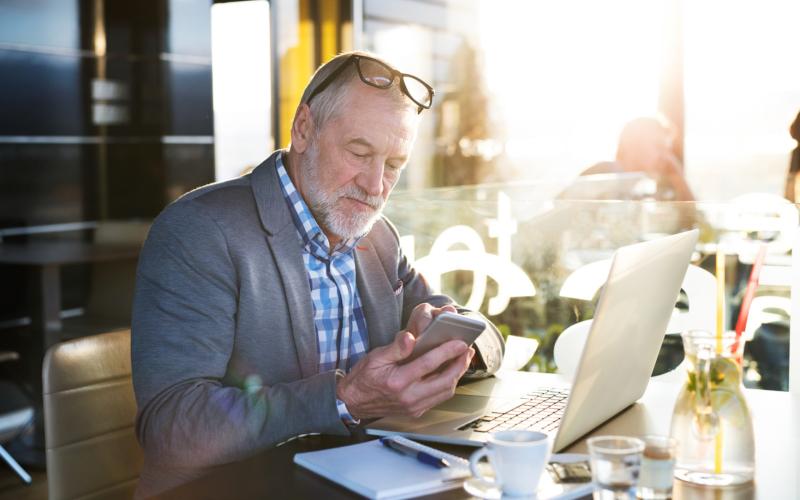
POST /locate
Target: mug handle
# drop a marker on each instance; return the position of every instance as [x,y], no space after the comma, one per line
[473,465]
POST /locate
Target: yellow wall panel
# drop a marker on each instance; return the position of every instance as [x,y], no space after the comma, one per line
[296,67]
[297,64]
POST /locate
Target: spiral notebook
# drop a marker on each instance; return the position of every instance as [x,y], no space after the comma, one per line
[375,471]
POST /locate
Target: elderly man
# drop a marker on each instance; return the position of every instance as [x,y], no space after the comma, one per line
[280,303]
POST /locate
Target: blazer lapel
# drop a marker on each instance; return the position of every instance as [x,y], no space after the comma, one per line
[289,261]
[266,186]
[381,307]
[285,247]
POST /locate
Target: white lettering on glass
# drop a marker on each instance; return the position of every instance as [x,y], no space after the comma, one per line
[511,279]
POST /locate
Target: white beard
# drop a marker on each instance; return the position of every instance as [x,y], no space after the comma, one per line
[323,205]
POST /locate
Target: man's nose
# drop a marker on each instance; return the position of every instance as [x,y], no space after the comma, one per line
[371,179]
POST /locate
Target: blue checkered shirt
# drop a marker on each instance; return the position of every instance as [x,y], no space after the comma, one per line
[338,317]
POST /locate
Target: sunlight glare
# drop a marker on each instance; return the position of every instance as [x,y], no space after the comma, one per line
[566,76]
[240,55]
[739,100]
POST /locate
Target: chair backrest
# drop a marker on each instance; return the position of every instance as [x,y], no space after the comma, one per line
[89,412]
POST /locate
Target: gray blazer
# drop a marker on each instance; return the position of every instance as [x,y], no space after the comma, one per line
[224,348]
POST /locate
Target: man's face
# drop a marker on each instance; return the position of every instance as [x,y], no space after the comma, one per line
[352,164]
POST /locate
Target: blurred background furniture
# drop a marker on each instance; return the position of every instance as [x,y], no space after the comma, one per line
[16,413]
[89,411]
[112,243]
[111,281]
[770,350]
[111,249]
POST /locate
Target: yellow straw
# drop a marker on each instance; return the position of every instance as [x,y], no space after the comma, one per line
[718,450]
[720,329]
[720,297]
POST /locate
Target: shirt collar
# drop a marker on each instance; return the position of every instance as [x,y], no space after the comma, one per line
[314,239]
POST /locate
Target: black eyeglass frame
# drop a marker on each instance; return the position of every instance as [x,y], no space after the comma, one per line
[395,75]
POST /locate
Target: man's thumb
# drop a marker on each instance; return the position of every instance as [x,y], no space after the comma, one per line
[402,346]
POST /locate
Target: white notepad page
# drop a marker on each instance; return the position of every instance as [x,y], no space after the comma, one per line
[376,471]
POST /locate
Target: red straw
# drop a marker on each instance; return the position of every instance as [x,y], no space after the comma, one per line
[752,284]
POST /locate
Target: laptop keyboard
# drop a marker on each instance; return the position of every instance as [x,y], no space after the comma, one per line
[538,411]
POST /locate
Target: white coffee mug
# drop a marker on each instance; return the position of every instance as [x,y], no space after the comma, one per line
[518,459]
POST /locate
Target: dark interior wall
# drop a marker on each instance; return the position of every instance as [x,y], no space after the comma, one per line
[40,96]
[87,135]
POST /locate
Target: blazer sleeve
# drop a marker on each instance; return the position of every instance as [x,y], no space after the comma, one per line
[183,332]
[489,345]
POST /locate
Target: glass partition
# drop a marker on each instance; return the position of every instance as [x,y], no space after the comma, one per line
[534,256]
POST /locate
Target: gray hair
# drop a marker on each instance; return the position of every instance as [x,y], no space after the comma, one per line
[329,103]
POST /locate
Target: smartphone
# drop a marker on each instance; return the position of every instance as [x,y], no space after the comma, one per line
[447,326]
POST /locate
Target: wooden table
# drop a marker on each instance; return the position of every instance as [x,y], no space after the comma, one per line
[776,417]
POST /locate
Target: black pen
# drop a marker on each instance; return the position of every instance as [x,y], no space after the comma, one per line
[425,458]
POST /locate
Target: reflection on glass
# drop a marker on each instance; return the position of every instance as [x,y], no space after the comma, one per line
[541,90]
[44,23]
[188,27]
[559,249]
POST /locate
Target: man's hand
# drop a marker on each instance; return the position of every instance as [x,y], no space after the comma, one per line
[378,385]
[423,314]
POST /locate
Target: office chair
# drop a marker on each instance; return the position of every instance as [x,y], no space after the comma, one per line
[89,413]
[15,414]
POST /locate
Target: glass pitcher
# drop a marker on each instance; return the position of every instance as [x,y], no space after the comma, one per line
[711,420]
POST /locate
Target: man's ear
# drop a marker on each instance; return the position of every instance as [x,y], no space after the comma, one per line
[302,128]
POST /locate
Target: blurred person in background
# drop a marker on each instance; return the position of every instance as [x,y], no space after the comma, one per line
[645,168]
[791,190]
[645,145]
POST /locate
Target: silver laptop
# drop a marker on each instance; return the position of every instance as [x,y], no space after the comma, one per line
[615,367]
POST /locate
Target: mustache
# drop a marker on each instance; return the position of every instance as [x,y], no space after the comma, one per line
[356,193]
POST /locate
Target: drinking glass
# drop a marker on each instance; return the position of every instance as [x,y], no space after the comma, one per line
[616,461]
[658,463]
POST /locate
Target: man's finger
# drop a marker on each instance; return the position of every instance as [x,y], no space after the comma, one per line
[421,317]
[442,381]
[451,372]
[401,348]
[439,387]
[433,359]
[439,310]
[447,308]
